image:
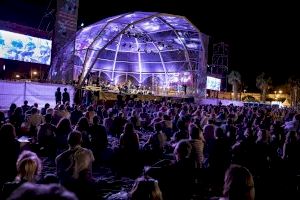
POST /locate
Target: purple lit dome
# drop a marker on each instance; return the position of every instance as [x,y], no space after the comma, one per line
[141,46]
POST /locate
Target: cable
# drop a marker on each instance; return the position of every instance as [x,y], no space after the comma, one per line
[47,14]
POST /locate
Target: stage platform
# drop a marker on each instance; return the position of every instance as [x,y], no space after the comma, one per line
[111,96]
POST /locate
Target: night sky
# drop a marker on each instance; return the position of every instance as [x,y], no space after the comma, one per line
[261,37]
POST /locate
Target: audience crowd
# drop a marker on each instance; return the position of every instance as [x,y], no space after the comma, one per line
[173,150]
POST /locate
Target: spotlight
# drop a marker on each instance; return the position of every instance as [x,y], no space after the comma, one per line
[17,76]
[82,24]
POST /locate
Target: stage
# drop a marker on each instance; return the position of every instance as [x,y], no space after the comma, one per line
[112,95]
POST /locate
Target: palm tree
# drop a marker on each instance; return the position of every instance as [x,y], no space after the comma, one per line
[263,83]
[234,79]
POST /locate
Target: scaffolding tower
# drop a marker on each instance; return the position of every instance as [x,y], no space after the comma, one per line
[219,66]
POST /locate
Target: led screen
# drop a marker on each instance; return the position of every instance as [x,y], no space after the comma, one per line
[25,48]
[213,83]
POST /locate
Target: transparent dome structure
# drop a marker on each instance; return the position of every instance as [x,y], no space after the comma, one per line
[156,50]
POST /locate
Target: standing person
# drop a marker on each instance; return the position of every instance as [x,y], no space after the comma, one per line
[184,88]
[77,96]
[88,97]
[58,96]
[65,96]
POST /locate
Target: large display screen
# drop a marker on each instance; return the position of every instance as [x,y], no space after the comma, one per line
[25,48]
[213,83]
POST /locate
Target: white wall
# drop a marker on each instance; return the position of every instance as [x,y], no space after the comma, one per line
[41,93]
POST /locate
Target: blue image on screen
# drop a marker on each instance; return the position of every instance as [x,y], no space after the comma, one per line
[25,48]
[213,83]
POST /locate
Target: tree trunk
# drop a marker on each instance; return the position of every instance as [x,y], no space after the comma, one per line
[234,90]
[295,96]
[264,93]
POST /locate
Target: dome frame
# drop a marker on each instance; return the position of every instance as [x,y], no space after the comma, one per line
[176,47]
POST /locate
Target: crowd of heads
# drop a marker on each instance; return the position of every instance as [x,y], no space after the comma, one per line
[176,139]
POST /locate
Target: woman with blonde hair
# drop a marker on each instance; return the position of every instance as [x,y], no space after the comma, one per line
[28,166]
[238,184]
[28,170]
[145,188]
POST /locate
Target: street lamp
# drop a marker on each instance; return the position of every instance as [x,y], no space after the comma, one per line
[33,74]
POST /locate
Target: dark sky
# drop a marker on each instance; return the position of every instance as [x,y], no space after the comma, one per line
[261,36]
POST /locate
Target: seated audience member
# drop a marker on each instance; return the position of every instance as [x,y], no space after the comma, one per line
[84,128]
[60,113]
[145,188]
[107,122]
[238,184]
[118,125]
[63,128]
[76,114]
[129,140]
[99,140]
[176,178]
[50,111]
[46,136]
[220,157]
[28,170]
[182,132]
[30,191]
[197,143]
[11,110]
[43,110]
[16,119]
[72,162]
[49,178]
[25,107]
[34,120]
[2,118]
[90,114]
[9,152]
[156,142]
[128,151]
